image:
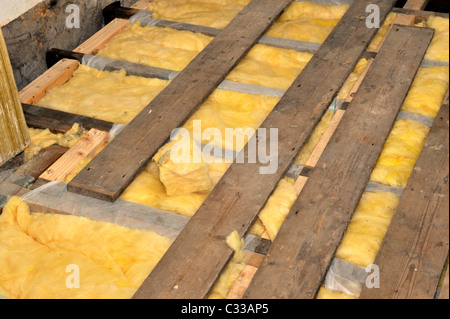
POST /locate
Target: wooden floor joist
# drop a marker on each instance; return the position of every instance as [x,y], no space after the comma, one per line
[58,121]
[416,245]
[298,260]
[237,199]
[109,175]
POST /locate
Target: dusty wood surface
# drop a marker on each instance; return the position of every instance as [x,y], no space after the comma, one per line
[43,118]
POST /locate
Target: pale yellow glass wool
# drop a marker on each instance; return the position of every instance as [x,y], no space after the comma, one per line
[159,47]
[400,153]
[278,207]
[304,21]
[212,13]
[367,229]
[109,96]
[174,50]
[427,91]
[439,47]
[147,189]
[36,250]
[346,89]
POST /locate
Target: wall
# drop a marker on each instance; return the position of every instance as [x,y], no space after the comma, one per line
[10,10]
[30,35]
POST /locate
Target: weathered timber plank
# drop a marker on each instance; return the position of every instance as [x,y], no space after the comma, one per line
[40,117]
[415,248]
[109,174]
[299,258]
[237,199]
[42,161]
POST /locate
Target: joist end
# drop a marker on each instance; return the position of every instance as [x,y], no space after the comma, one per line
[92,191]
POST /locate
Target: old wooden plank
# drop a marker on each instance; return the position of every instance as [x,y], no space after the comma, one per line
[43,118]
[42,161]
[109,174]
[243,191]
[416,245]
[304,248]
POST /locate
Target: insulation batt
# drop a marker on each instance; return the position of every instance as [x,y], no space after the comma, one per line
[400,153]
[174,50]
[438,49]
[365,234]
[427,91]
[304,21]
[36,249]
[90,92]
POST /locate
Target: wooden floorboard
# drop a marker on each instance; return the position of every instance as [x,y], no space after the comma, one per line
[243,191]
[301,254]
[415,249]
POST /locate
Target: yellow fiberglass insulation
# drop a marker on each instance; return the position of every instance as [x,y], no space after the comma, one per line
[147,189]
[427,91]
[314,139]
[44,138]
[304,21]
[439,47]
[230,110]
[270,67]
[38,253]
[365,234]
[307,21]
[233,269]
[174,50]
[278,207]
[344,93]
[109,96]
[211,13]
[159,47]
[400,153]
[367,229]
